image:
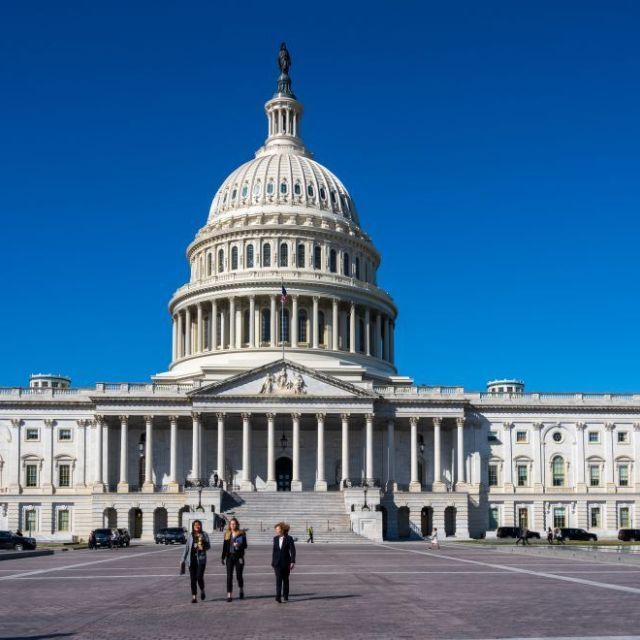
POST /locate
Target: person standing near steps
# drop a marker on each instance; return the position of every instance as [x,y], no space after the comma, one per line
[233,547]
[283,560]
[195,558]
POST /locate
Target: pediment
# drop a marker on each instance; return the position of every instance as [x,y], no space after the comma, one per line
[282,379]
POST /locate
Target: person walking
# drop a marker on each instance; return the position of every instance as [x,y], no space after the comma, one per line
[434,544]
[549,535]
[233,548]
[557,535]
[523,536]
[283,560]
[310,534]
[194,558]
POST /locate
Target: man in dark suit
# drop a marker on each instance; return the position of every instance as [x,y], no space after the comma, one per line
[283,559]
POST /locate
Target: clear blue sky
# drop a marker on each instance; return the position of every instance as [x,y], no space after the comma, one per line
[492,149]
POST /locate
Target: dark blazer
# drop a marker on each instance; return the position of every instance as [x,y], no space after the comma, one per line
[285,556]
[226,545]
[201,556]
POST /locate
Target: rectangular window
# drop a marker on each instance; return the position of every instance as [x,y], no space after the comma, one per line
[594,437]
[63,520]
[32,434]
[559,517]
[523,517]
[493,436]
[64,475]
[623,475]
[31,521]
[493,475]
[624,515]
[521,437]
[523,475]
[595,518]
[494,517]
[31,475]
[64,435]
[623,437]
[594,475]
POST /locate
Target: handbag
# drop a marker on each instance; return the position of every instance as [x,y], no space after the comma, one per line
[183,568]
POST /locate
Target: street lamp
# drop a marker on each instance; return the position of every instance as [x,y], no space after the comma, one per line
[284,441]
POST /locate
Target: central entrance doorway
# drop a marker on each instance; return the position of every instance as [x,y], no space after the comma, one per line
[284,470]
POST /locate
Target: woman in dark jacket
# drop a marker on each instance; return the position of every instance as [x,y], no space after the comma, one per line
[233,547]
[195,558]
[283,559]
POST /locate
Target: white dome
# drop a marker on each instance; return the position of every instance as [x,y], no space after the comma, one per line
[279,178]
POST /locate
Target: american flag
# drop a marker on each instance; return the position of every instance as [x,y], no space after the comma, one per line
[283,297]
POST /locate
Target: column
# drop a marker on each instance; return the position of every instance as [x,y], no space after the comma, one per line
[367,331]
[296,484]
[391,456]
[537,457]
[508,457]
[123,483]
[610,463]
[80,479]
[148,487]
[214,325]
[581,485]
[232,323]
[199,329]
[272,328]
[314,329]
[105,455]
[272,484]
[345,449]
[223,333]
[179,348]
[334,326]
[415,484]
[321,483]
[246,483]
[187,332]
[174,335]
[352,328]
[252,324]
[368,469]
[377,347]
[47,471]
[293,335]
[195,447]
[15,455]
[173,454]
[385,351]
[98,486]
[460,471]
[438,485]
[392,348]
[220,466]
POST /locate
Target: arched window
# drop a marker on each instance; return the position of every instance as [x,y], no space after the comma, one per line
[234,193]
[557,471]
[284,188]
[317,257]
[266,255]
[250,256]
[284,326]
[246,318]
[245,190]
[297,189]
[333,263]
[300,256]
[323,194]
[303,319]
[333,197]
[358,268]
[265,329]
[234,258]
[270,187]
[256,188]
[346,264]
[284,255]
[220,260]
[209,264]
[310,190]
[321,326]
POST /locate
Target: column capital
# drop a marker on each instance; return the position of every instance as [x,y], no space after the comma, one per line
[148,419]
[507,426]
[580,426]
[99,419]
[49,422]
[316,298]
[83,422]
[460,421]
[538,425]
[196,415]
[321,416]
[636,426]
[246,416]
[252,296]
[437,421]
[609,426]
[271,416]
[123,419]
[296,416]
[369,417]
[345,417]
[173,419]
[16,422]
[221,415]
[353,306]
[413,421]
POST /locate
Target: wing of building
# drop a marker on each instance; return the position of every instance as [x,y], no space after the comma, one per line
[282,399]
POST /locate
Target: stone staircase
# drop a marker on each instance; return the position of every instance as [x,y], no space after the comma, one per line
[258,512]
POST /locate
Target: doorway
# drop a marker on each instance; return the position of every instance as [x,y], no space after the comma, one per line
[426,521]
[450,521]
[135,523]
[284,470]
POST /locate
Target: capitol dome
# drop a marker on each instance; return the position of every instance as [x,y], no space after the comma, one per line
[282,222]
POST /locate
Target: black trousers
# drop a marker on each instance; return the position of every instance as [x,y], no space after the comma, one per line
[238,563]
[196,573]
[282,581]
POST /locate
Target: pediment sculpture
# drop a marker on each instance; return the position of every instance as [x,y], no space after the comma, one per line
[281,384]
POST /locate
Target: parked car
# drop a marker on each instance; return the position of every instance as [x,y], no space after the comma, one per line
[171,535]
[106,538]
[514,532]
[629,535]
[9,540]
[122,538]
[569,533]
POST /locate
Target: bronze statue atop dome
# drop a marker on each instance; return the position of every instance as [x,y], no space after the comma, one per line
[284,59]
[284,81]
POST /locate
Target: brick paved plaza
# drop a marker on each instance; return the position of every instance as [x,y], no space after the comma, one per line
[360,591]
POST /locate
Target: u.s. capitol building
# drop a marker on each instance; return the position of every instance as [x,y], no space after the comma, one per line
[292,405]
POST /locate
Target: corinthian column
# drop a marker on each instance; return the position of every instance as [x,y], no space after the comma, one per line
[315,337]
[352,328]
[369,447]
[345,449]
[415,484]
[220,467]
[460,471]
[98,485]
[148,486]
[173,454]
[246,483]
[296,484]
[294,322]
[123,484]
[321,483]
[272,485]
[334,326]
[195,447]
[438,485]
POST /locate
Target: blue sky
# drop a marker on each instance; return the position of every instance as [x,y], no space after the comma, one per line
[492,149]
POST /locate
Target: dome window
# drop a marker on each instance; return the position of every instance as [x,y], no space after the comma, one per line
[250,256]
[234,194]
[270,188]
[297,189]
[310,191]
[256,188]
[357,263]
[220,260]
[323,194]
[284,188]
[245,190]
[266,255]
[284,255]
[300,256]
[333,197]
[333,266]
[234,258]
[317,257]
[224,199]
[346,265]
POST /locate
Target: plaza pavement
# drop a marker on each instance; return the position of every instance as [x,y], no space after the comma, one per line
[400,590]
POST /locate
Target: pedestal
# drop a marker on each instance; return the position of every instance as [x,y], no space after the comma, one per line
[247,485]
[296,485]
[320,485]
[415,487]
[148,487]
[581,487]
[173,487]
[270,485]
[123,487]
[438,487]
[98,487]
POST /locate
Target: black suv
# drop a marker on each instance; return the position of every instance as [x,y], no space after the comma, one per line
[11,541]
[569,533]
[171,535]
[514,532]
[106,538]
[627,535]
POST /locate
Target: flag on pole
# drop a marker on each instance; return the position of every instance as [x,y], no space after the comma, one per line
[283,297]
